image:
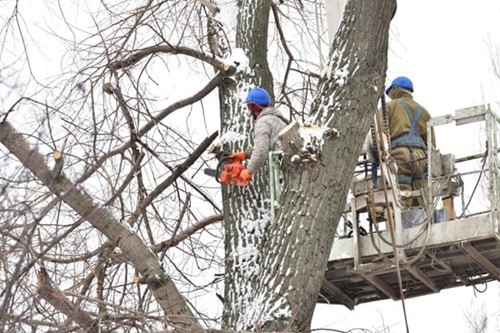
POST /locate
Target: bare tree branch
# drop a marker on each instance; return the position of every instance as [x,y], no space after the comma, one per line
[187,233]
[134,249]
[57,299]
[178,171]
[152,50]
[210,6]
[185,179]
[214,83]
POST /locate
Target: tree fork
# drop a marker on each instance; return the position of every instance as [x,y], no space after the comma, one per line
[314,194]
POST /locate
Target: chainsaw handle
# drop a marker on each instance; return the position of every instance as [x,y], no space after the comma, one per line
[239,155]
[223,161]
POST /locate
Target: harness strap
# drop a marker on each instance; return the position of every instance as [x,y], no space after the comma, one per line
[406,179]
[413,137]
[413,118]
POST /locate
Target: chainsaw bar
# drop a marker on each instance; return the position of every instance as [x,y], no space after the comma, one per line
[211,172]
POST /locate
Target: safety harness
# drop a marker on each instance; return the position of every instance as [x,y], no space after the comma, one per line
[410,139]
[413,137]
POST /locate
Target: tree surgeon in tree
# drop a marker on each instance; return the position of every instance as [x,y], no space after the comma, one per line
[408,137]
[268,123]
[276,289]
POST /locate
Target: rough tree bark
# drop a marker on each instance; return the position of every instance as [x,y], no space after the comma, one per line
[292,262]
[246,210]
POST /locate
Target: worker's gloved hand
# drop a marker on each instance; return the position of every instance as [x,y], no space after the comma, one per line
[245,174]
[239,155]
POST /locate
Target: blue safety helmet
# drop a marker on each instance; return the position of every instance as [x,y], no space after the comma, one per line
[258,96]
[401,82]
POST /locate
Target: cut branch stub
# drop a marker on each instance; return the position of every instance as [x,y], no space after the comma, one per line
[304,142]
[291,142]
[58,157]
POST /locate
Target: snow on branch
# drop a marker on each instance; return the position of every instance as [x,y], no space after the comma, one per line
[304,142]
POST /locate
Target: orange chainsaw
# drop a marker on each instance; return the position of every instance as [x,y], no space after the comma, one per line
[227,172]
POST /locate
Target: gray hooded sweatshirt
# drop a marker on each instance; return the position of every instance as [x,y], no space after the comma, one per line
[265,135]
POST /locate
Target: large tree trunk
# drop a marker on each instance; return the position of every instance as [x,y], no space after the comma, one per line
[246,210]
[298,243]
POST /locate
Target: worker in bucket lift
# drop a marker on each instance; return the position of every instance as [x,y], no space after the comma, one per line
[408,138]
[268,123]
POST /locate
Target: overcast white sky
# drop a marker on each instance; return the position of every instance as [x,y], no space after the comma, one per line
[443,47]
